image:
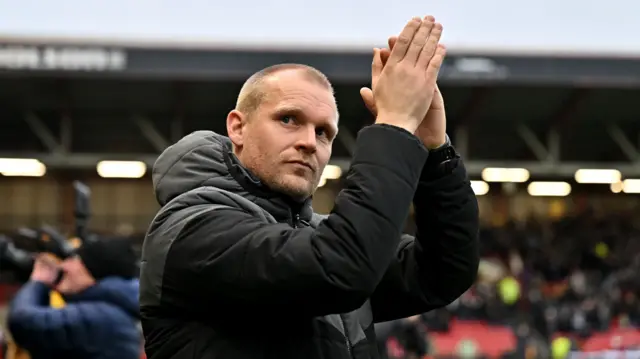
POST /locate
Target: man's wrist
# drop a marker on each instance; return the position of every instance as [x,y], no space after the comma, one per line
[400,121]
[441,161]
[435,144]
[445,142]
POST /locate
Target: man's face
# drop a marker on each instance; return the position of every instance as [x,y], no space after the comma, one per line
[75,278]
[287,141]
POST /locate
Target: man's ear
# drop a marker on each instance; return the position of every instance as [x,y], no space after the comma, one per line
[235,127]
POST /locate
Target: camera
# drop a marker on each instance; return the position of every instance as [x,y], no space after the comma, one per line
[13,259]
[47,239]
[20,261]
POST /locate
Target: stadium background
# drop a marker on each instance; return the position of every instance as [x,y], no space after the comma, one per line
[71,104]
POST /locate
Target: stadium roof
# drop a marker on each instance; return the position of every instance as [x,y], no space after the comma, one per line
[552,115]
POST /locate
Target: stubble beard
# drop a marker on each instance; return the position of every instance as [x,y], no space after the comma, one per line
[288,184]
[291,187]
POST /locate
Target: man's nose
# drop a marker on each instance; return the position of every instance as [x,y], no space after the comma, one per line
[307,139]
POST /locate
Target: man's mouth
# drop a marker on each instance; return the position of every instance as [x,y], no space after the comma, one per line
[303,163]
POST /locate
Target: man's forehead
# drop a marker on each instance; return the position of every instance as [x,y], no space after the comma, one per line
[299,94]
[307,107]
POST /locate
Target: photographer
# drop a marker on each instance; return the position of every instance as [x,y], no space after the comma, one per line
[100,317]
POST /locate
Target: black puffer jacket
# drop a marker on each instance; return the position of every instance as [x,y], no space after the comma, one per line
[233,270]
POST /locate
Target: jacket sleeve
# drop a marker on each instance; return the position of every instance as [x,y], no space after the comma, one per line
[229,256]
[441,263]
[35,325]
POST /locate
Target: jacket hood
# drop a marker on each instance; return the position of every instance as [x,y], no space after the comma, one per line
[205,158]
[189,163]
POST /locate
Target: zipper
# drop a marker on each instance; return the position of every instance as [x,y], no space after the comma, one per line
[346,336]
[297,220]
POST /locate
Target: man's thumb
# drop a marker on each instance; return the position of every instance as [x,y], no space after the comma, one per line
[367,97]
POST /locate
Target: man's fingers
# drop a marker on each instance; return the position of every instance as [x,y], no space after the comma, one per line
[392,42]
[384,56]
[376,66]
[404,40]
[385,53]
[44,259]
[435,63]
[419,40]
[430,47]
[369,102]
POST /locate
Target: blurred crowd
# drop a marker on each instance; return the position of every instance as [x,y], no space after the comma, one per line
[545,289]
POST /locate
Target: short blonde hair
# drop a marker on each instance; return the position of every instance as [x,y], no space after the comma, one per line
[252,92]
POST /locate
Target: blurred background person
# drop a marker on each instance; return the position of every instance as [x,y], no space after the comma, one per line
[100,318]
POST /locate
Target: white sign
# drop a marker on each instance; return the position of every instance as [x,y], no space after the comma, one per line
[607,354]
[476,68]
[543,26]
[61,58]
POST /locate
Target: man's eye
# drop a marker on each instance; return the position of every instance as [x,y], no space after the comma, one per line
[287,119]
[320,132]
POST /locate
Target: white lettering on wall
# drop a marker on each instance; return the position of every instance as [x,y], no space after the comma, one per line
[15,57]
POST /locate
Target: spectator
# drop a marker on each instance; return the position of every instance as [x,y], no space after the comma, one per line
[575,279]
[100,317]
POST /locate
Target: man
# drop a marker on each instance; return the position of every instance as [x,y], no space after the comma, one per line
[236,265]
[100,317]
